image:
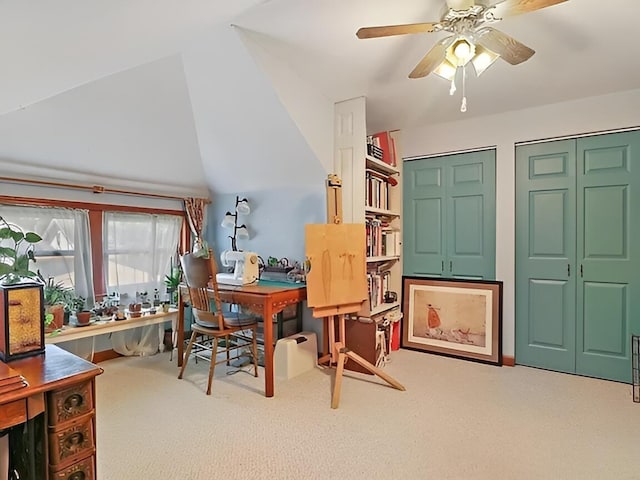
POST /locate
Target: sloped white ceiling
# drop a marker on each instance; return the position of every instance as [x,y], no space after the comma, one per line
[133,129]
[50,47]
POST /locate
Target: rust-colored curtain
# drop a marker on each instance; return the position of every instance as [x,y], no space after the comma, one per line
[195,209]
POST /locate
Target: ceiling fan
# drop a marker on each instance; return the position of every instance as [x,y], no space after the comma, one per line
[472,40]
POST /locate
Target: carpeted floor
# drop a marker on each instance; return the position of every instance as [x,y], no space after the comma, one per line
[457,420]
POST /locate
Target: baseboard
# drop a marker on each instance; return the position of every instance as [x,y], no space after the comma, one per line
[509,361]
[105,355]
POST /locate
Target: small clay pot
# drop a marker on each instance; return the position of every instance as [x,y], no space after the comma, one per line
[83,317]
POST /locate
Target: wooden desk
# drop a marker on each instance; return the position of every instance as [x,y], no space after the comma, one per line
[265,299]
[53,378]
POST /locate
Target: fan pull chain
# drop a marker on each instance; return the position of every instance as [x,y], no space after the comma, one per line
[452,90]
[463,106]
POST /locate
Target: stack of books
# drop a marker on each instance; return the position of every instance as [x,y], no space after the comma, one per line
[10,379]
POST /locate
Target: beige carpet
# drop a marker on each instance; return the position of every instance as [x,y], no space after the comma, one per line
[457,420]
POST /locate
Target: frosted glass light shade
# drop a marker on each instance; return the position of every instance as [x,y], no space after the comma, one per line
[446,70]
[242,232]
[243,207]
[229,220]
[483,59]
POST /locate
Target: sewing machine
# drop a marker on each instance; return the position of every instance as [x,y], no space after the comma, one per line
[245,268]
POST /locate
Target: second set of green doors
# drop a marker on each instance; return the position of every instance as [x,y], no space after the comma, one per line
[449,212]
[578,254]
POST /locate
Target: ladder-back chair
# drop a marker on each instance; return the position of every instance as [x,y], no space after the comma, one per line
[238,331]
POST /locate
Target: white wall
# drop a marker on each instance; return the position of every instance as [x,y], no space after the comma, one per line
[595,114]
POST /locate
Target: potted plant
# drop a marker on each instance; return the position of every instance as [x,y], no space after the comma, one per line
[22,317]
[16,257]
[56,296]
[172,282]
[77,307]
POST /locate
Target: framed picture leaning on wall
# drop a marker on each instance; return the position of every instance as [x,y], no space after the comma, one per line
[459,318]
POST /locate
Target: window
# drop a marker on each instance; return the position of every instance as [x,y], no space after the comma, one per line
[64,252]
[138,250]
[97,248]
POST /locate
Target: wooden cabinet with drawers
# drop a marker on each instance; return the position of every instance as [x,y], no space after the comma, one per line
[63,386]
[71,431]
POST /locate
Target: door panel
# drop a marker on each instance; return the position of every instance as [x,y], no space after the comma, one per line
[546,299]
[545,255]
[471,210]
[605,226]
[466,244]
[608,181]
[602,303]
[423,213]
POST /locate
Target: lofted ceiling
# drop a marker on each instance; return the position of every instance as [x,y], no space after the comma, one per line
[150,85]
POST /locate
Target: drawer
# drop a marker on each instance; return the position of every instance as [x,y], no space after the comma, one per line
[81,470]
[13,413]
[71,402]
[68,443]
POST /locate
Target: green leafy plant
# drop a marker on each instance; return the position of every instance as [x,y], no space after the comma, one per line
[76,303]
[16,253]
[55,293]
[172,282]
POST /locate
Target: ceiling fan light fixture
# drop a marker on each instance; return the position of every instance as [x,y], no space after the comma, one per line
[483,59]
[446,70]
[462,51]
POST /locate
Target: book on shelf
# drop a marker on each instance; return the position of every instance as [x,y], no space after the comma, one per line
[391,244]
[375,229]
[10,379]
[377,190]
[375,284]
[387,144]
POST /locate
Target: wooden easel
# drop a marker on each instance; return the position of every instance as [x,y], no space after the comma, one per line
[341,283]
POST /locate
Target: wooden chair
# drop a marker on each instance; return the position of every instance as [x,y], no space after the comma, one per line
[218,328]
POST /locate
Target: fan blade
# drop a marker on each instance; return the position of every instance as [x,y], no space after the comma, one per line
[460,4]
[507,47]
[388,31]
[431,60]
[509,8]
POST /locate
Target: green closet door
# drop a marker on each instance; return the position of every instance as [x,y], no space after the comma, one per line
[545,255]
[471,214]
[449,216]
[608,309]
[423,188]
[578,254]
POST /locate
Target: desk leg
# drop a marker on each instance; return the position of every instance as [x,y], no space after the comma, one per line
[180,328]
[268,349]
